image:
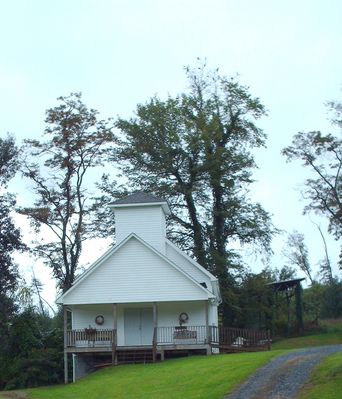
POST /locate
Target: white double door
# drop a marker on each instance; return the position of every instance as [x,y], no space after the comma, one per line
[138,324]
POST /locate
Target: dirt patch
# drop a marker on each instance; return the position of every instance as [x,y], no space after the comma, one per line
[13,395]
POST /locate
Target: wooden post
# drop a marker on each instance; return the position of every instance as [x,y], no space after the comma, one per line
[155,315]
[65,324]
[154,345]
[155,326]
[299,307]
[207,322]
[207,331]
[115,327]
[268,340]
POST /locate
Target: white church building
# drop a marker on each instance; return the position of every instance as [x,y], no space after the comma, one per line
[143,299]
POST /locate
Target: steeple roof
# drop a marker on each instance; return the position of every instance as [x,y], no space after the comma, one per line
[141,198]
[138,198]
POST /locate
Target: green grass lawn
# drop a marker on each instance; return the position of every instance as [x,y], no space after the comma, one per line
[326,380]
[209,377]
[329,338]
[193,377]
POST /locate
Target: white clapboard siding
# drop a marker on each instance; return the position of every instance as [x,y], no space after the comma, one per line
[187,265]
[168,313]
[148,222]
[83,316]
[134,273]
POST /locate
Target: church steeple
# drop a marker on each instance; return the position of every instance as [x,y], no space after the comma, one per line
[143,214]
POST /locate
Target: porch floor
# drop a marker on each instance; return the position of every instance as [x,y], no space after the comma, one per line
[90,349]
[160,348]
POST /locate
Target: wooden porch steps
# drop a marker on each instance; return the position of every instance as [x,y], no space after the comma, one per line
[129,356]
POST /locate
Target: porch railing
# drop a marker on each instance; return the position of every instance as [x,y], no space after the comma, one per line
[182,335]
[239,338]
[229,338]
[90,337]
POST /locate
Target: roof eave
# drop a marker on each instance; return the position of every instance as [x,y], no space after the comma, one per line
[164,205]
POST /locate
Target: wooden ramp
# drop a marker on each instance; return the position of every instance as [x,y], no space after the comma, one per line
[232,340]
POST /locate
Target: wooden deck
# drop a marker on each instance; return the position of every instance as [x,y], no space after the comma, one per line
[225,339]
[166,341]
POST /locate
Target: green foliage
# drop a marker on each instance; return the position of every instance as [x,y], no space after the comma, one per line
[34,354]
[297,253]
[332,300]
[8,159]
[285,273]
[323,301]
[313,302]
[322,155]
[10,241]
[255,301]
[331,325]
[196,150]
[41,367]
[58,168]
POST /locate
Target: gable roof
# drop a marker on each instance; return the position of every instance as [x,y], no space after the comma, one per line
[141,198]
[115,249]
[192,261]
[193,268]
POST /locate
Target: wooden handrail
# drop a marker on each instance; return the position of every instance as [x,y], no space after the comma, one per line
[182,334]
[239,337]
[171,335]
[91,336]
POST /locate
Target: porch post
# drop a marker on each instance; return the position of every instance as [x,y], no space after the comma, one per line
[115,327]
[206,304]
[155,325]
[65,324]
[155,314]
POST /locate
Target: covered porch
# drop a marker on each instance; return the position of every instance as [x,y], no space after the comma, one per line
[162,338]
[134,323]
[171,338]
[150,331]
[154,327]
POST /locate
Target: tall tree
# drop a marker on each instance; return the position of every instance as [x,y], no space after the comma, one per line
[8,159]
[58,168]
[322,155]
[195,150]
[10,241]
[325,264]
[297,253]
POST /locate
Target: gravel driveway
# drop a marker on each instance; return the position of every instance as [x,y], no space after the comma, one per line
[283,376]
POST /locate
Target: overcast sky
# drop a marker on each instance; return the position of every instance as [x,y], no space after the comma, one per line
[120,53]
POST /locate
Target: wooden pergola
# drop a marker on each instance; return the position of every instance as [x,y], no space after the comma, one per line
[291,288]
